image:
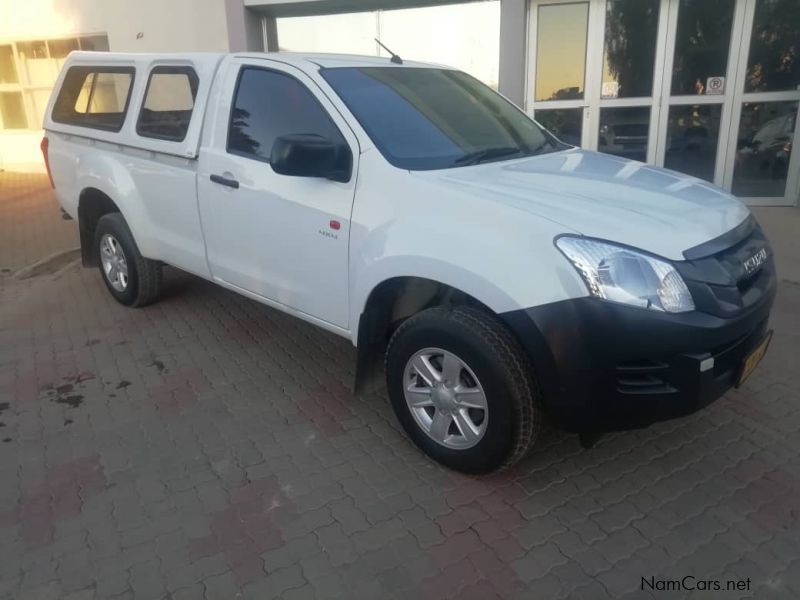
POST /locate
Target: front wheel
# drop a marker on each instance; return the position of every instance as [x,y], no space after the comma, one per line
[460,387]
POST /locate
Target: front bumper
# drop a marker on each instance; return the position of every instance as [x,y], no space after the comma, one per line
[604,366]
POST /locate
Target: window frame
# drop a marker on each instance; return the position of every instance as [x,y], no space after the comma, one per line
[187,70]
[97,70]
[239,75]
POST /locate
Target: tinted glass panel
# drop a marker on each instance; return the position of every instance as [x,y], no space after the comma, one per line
[764,147]
[565,123]
[94,97]
[774,62]
[12,113]
[624,131]
[269,104]
[630,48]
[168,103]
[561,51]
[701,44]
[692,134]
[60,48]
[8,70]
[435,118]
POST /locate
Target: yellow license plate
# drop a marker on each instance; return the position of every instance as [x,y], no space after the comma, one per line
[751,362]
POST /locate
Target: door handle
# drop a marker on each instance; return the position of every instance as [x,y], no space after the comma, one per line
[225,181]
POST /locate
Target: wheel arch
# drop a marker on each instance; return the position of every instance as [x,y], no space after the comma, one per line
[93,203]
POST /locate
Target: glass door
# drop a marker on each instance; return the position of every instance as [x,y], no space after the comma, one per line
[761,165]
[698,86]
[561,35]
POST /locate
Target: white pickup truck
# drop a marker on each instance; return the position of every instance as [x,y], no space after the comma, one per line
[498,274]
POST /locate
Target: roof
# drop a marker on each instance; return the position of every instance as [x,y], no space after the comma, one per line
[302,60]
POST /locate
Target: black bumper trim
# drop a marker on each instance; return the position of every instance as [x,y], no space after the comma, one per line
[605,366]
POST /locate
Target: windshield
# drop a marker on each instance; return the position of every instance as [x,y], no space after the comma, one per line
[424,118]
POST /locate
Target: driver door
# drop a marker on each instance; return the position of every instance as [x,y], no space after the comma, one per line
[280,238]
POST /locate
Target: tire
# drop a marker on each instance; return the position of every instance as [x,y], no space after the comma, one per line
[114,245]
[482,356]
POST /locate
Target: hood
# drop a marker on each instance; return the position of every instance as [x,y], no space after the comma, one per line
[605,196]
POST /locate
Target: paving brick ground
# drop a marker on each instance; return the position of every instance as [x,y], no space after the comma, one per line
[207,446]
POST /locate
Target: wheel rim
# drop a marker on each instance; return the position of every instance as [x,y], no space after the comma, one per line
[445,398]
[115,267]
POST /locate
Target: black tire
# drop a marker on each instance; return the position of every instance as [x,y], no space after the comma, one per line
[144,275]
[498,362]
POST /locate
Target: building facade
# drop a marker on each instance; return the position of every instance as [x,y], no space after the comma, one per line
[706,87]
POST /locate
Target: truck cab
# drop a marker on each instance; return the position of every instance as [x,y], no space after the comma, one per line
[492,273]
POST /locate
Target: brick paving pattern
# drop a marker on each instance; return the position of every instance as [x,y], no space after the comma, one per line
[209,447]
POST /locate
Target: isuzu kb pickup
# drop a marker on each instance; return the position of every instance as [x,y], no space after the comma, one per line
[496,273]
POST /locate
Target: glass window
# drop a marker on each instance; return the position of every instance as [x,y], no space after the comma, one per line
[625,131]
[94,97]
[774,62]
[702,44]
[8,69]
[692,135]
[12,112]
[764,147]
[630,48]
[269,104]
[95,43]
[425,118]
[561,51]
[168,103]
[565,123]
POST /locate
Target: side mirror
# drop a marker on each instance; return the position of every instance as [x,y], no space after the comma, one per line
[309,155]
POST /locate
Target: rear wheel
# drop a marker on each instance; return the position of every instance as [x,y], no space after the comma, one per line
[132,279]
[459,385]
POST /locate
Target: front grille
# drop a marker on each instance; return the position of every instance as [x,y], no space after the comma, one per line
[642,377]
[719,282]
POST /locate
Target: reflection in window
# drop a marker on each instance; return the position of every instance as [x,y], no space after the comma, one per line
[561,51]
[12,114]
[630,48]
[566,124]
[624,131]
[774,62]
[701,45]
[8,69]
[168,103]
[764,147]
[692,134]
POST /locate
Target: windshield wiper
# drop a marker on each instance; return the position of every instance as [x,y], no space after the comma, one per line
[479,156]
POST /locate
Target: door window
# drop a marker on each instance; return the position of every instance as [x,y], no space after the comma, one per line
[269,104]
[774,61]
[625,131]
[692,137]
[630,48]
[702,45]
[561,51]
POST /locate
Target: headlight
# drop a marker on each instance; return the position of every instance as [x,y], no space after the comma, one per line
[623,275]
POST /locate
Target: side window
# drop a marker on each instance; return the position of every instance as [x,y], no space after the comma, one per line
[269,104]
[168,103]
[94,97]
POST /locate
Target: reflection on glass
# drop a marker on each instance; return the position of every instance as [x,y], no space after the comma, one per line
[12,113]
[624,131]
[630,48]
[8,70]
[764,147]
[701,44]
[774,62]
[692,134]
[566,124]
[561,51]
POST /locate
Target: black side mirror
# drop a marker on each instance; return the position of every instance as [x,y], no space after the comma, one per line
[310,155]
